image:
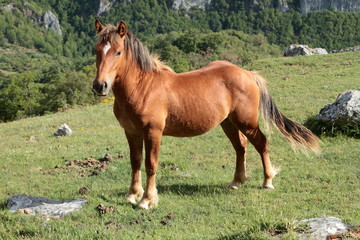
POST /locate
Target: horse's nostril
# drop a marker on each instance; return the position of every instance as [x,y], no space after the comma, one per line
[105,85]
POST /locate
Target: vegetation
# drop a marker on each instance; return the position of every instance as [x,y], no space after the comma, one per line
[193,172]
[35,84]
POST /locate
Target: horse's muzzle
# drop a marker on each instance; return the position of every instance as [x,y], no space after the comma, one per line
[100,89]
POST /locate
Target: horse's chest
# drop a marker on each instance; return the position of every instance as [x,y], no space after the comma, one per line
[128,118]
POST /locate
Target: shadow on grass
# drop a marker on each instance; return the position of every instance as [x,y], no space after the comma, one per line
[190,189]
[3,205]
[237,236]
[333,129]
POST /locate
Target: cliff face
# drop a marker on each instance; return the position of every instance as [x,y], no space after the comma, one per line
[307,6]
[187,4]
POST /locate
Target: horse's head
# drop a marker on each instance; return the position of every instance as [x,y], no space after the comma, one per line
[109,49]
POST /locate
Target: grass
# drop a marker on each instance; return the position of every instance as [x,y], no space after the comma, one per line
[195,194]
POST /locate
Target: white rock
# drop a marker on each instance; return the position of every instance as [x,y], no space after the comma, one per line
[63,130]
[303,50]
[52,22]
[44,206]
[320,228]
[345,108]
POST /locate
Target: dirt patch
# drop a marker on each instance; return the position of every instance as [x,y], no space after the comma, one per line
[114,225]
[86,167]
[83,190]
[102,209]
[353,234]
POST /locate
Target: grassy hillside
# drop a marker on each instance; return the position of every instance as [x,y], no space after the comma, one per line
[195,194]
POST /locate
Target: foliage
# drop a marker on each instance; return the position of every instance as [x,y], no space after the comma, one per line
[333,129]
[34,84]
[194,49]
[146,18]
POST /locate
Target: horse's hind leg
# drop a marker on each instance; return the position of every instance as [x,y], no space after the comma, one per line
[260,142]
[238,140]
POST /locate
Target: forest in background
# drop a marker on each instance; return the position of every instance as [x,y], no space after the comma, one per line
[42,71]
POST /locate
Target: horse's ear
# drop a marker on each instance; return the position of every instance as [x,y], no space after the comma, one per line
[98,26]
[122,29]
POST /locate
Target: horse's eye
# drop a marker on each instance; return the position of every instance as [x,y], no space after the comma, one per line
[118,53]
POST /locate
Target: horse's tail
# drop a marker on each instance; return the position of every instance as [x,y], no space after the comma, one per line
[295,133]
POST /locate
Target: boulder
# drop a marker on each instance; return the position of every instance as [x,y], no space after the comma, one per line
[52,22]
[321,228]
[63,130]
[44,206]
[302,50]
[346,108]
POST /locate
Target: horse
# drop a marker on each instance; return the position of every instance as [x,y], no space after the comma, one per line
[151,101]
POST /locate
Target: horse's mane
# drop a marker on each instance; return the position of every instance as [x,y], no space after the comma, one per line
[146,61]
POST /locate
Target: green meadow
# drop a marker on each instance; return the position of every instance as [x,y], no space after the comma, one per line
[193,172]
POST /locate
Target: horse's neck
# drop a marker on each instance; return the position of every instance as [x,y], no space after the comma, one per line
[132,84]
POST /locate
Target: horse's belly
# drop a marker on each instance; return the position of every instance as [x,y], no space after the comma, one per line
[189,125]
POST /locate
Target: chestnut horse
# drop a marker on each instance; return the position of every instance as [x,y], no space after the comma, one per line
[151,101]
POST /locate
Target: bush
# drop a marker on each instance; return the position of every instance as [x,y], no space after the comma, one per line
[333,129]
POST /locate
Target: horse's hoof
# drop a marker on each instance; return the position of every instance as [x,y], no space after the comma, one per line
[130,198]
[268,186]
[233,186]
[133,198]
[147,203]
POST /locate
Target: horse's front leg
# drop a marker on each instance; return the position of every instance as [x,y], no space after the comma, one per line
[136,145]
[152,139]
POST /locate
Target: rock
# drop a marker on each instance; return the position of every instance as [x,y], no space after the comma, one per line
[31,139]
[187,4]
[302,50]
[320,228]
[44,206]
[63,130]
[307,6]
[345,108]
[104,6]
[52,22]
[352,49]
[319,51]
[9,7]
[283,5]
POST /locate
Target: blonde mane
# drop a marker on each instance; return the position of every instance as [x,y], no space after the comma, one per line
[141,56]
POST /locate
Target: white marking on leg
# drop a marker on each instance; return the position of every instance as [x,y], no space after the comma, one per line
[106,47]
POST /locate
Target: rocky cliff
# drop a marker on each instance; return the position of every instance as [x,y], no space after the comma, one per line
[305,6]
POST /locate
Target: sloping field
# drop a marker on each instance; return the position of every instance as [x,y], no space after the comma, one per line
[193,172]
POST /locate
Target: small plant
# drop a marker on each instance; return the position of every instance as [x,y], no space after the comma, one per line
[332,129]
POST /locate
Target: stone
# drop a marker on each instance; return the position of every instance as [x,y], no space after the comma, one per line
[104,6]
[346,108]
[321,228]
[9,7]
[303,50]
[352,49]
[187,4]
[45,206]
[63,130]
[52,22]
